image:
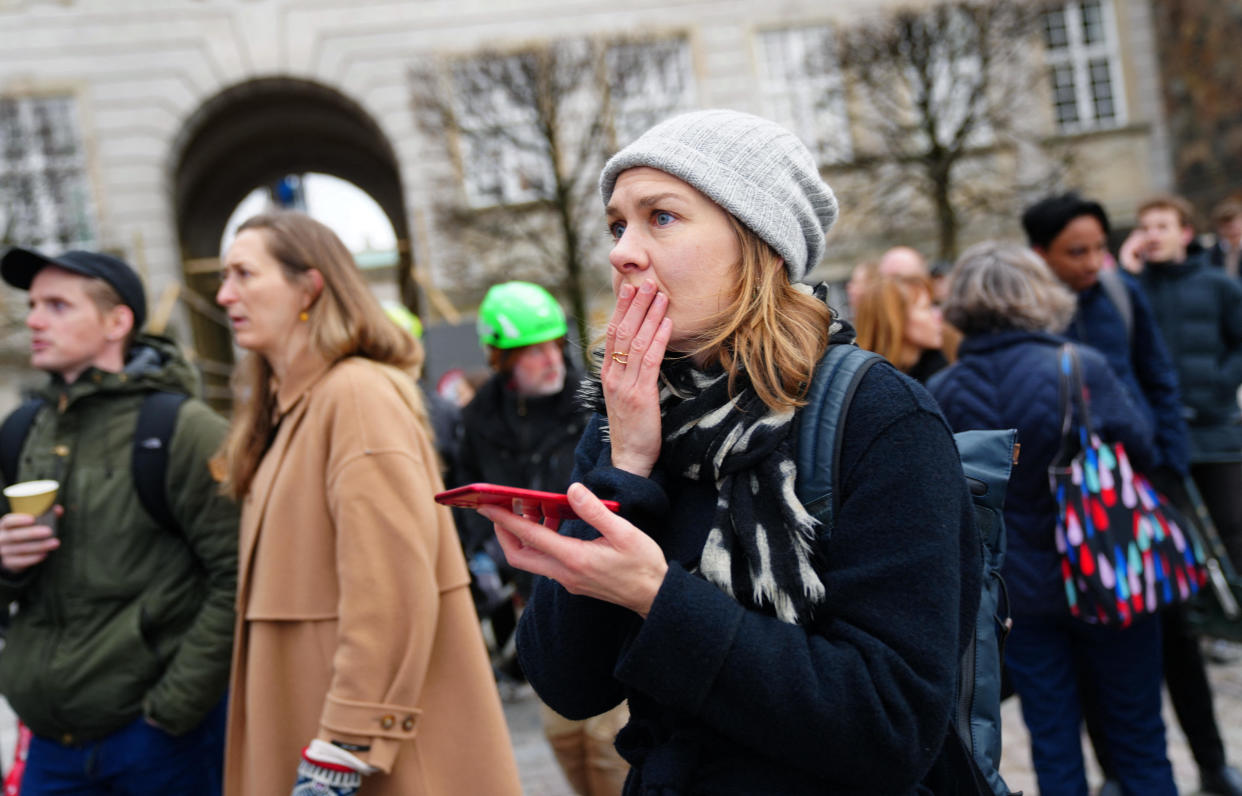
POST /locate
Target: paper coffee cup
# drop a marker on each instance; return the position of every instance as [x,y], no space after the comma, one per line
[32,497]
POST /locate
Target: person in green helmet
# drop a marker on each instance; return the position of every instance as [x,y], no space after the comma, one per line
[523,424]
[521,429]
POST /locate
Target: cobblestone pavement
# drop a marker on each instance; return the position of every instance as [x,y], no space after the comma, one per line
[1227,690]
[542,777]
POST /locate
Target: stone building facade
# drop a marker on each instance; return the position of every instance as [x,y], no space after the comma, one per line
[137,126]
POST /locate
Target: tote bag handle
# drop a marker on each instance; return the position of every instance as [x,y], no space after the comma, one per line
[1072,391]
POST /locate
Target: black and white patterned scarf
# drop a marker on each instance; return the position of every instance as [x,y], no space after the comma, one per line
[761,547]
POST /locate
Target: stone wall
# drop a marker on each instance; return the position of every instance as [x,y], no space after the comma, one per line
[140,71]
[1201,60]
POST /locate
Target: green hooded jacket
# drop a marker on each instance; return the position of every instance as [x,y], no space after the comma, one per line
[125,618]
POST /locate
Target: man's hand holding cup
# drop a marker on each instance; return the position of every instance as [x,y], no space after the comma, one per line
[28,533]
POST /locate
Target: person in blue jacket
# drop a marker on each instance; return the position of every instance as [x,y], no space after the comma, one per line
[1007,303]
[1114,317]
[757,656]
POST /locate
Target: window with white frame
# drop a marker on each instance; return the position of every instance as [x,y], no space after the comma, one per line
[505,157]
[1084,66]
[45,197]
[802,88]
[649,81]
[950,84]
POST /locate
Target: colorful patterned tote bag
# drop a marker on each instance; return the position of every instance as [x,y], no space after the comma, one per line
[1125,551]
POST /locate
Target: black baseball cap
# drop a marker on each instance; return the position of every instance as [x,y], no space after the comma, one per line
[19,267]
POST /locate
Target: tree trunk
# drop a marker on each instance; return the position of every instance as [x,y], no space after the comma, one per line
[573,271]
[947,223]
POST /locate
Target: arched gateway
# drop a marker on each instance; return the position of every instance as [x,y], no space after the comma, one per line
[253,134]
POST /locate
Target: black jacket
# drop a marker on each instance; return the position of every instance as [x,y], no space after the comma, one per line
[727,700]
[1199,311]
[515,441]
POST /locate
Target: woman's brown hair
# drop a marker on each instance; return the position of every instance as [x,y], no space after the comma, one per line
[772,330]
[883,314]
[345,320]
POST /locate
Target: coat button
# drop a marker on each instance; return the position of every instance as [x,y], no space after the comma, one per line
[387,722]
[408,724]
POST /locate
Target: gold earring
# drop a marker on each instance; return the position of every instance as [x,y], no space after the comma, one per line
[303,316]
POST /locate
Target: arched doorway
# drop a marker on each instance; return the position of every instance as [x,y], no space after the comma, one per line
[254,134]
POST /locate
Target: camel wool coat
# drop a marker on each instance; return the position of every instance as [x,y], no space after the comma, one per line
[354,616]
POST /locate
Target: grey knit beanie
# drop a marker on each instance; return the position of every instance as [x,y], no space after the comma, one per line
[755,169]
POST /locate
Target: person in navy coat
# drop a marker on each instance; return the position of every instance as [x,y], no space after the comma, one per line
[1008,305]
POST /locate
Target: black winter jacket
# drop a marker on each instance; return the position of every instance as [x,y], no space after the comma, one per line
[728,700]
[515,441]
[1199,310]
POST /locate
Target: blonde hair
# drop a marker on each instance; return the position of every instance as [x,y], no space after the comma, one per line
[999,286]
[770,329]
[884,313]
[345,320]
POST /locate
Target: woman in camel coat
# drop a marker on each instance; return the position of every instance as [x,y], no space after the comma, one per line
[358,659]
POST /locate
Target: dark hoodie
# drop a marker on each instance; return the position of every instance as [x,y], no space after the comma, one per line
[125,618]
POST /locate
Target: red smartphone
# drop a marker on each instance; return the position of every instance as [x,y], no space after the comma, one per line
[526,502]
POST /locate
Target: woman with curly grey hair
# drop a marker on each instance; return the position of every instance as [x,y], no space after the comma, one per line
[1010,308]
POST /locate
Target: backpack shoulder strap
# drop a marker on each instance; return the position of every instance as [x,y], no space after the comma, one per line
[819,445]
[157,418]
[1115,288]
[13,436]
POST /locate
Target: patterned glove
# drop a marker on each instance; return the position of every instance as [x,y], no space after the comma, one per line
[325,779]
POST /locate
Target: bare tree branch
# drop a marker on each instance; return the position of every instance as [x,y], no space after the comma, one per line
[529,131]
[939,89]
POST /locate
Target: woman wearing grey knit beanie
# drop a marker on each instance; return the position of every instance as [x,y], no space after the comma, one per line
[759,652]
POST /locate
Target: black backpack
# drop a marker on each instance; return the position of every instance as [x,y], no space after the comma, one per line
[152,437]
[974,746]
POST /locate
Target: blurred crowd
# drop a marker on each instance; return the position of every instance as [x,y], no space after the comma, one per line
[277,603]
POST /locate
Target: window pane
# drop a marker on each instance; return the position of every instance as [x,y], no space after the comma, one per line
[1064,97]
[1102,90]
[504,156]
[55,129]
[70,220]
[1092,22]
[23,210]
[650,81]
[1055,34]
[45,192]
[803,89]
[12,143]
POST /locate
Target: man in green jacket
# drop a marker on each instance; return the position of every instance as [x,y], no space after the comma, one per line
[118,654]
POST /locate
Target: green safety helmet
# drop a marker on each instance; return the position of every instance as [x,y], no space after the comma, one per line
[400,314]
[514,314]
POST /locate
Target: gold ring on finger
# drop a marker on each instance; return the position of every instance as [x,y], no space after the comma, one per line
[621,357]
